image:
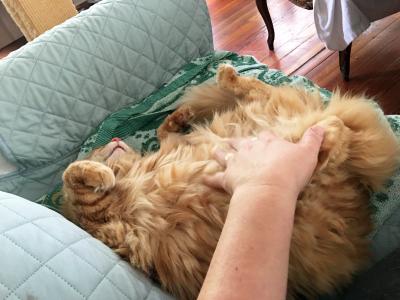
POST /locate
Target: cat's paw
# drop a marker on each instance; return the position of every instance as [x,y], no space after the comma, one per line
[175,122]
[91,175]
[226,76]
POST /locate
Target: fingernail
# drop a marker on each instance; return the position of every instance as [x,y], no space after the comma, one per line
[319,130]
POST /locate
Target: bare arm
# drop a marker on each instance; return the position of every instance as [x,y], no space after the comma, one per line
[251,259]
[252,256]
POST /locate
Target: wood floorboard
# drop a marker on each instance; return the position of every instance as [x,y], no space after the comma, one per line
[375,68]
[364,48]
[282,46]
[392,93]
[375,58]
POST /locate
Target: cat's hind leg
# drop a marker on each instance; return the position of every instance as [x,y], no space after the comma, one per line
[113,234]
[245,88]
[197,104]
[176,122]
[202,102]
[141,247]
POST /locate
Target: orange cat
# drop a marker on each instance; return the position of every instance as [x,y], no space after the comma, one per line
[157,213]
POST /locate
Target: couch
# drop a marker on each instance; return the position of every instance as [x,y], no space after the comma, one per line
[119,61]
[54,92]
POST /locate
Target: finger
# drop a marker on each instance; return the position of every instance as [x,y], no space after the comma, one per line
[236,143]
[222,156]
[215,181]
[241,143]
[266,135]
[313,137]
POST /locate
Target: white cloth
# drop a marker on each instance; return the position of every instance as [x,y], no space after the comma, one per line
[339,22]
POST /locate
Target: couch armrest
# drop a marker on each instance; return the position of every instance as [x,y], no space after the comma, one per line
[58,88]
[44,256]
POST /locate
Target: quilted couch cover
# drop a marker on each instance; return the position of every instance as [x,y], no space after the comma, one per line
[45,257]
[55,91]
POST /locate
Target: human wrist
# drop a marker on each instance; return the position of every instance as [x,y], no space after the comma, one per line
[258,196]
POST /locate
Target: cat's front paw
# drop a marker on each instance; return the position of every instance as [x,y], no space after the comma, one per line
[91,175]
[175,122]
[226,76]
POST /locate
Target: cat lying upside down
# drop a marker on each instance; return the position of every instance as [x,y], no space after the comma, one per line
[157,213]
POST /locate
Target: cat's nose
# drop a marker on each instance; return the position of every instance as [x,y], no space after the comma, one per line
[116,139]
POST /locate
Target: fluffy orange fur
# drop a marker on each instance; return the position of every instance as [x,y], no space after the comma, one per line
[157,213]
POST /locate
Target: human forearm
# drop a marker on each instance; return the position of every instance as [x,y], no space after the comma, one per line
[265,174]
[254,244]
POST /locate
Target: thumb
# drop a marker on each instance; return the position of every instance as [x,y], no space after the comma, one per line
[313,137]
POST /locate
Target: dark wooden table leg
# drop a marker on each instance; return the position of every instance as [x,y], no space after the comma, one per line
[263,9]
[84,5]
[344,62]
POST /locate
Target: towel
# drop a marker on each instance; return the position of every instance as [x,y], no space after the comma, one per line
[339,22]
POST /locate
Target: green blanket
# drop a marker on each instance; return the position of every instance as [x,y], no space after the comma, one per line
[136,124]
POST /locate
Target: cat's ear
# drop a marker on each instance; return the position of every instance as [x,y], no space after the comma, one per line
[335,146]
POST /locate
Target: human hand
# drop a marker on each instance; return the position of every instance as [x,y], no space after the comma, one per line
[268,161]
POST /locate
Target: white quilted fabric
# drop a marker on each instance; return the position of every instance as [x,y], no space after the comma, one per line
[44,256]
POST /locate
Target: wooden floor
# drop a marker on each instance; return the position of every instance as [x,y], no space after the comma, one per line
[375,60]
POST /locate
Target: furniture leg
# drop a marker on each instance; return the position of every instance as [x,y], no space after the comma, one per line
[263,9]
[344,62]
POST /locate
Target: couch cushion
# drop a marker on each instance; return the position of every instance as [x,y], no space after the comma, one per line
[44,256]
[57,89]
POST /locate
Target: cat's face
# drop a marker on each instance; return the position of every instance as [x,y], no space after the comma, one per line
[113,152]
